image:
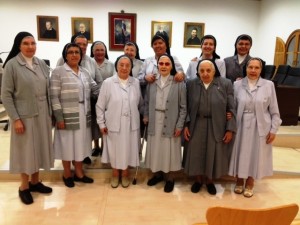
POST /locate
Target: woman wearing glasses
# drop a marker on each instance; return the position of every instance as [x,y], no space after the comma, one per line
[25,96]
[165,111]
[71,88]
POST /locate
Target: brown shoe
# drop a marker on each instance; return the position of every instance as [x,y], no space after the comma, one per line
[239,189]
[125,181]
[248,192]
[114,182]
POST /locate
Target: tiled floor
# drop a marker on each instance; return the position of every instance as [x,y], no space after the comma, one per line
[99,204]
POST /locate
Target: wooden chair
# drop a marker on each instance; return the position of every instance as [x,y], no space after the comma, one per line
[281,215]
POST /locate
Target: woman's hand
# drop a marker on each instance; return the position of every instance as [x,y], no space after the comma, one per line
[150,78]
[19,126]
[228,116]
[179,77]
[186,134]
[145,120]
[177,133]
[60,125]
[194,59]
[104,131]
[270,138]
[227,137]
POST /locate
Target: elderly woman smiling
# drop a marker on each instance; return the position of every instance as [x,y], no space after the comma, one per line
[119,121]
[207,131]
[258,120]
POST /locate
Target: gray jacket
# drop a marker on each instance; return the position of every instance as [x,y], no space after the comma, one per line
[266,106]
[222,101]
[234,70]
[175,111]
[109,104]
[18,85]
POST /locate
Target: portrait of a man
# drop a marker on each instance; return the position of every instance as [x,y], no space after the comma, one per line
[47,27]
[163,28]
[193,40]
[161,31]
[82,31]
[122,28]
[122,31]
[50,32]
[83,26]
[193,32]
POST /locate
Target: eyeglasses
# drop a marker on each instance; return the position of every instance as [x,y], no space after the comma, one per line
[28,43]
[162,63]
[73,52]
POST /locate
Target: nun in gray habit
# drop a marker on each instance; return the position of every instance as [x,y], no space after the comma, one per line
[25,96]
[208,132]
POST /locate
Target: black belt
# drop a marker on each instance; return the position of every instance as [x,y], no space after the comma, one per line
[204,117]
[160,110]
[81,102]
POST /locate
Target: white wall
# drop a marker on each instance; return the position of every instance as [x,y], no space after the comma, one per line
[279,18]
[225,19]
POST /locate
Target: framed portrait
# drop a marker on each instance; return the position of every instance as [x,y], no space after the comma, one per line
[84,26]
[163,28]
[122,28]
[47,28]
[193,32]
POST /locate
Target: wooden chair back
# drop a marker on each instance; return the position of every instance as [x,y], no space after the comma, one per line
[281,215]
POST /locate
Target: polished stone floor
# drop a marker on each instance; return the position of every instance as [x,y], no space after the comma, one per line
[99,204]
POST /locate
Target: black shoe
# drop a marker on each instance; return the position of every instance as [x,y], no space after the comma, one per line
[196,187]
[169,186]
[39,187]
[87,160]
[83,179]
[211,189]
[26,196]
[96,152]
[69,182]
[155,180]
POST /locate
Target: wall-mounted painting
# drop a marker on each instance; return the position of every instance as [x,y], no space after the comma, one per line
[193,32]
[122,28]
[83,26]
[162,28]
[47,28]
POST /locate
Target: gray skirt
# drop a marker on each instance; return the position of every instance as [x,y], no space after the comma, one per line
[33,150]
[203,155]
[162,153]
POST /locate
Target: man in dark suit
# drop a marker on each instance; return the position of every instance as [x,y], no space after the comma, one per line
[162,32]
[82,31]
[50,32]
[193,40]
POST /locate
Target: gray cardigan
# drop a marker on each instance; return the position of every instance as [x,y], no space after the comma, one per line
[18,85]
[65,95]
[175,111]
